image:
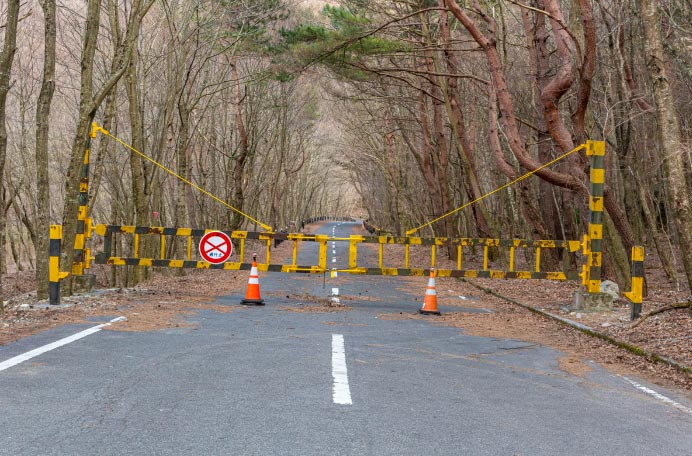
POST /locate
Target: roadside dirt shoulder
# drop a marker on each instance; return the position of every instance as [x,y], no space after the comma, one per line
[159,303]
[666,335]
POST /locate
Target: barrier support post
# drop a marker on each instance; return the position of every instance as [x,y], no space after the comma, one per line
[593,248]
[54,274]
[353,252]
[637,271]
[78,266]
[322,239]
[596,150]
[269,250]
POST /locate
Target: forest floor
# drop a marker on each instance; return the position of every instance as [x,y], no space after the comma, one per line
[164,300]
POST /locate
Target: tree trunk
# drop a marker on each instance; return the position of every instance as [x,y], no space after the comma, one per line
[586,70]
[550,225]
[89,102]
[6,59]
[669,131]
[508,118]
[651,226]
[463,143]
[183,169]
[391,173]
[42,128]
[136,163]
[424,158]
[239,168]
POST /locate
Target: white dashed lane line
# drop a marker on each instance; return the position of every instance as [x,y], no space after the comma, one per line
[57,344]
[341,391]
[657,395]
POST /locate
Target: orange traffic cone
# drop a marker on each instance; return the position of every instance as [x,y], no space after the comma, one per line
[252,294]
[430,301]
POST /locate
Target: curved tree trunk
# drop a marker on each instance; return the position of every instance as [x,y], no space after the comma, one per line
[576,180]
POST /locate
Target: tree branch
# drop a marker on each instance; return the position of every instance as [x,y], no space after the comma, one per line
[681,305]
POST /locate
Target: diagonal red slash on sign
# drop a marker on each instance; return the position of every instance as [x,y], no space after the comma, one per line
[216,247]
[212,250]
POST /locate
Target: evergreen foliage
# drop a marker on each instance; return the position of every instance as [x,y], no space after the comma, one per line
[343,46]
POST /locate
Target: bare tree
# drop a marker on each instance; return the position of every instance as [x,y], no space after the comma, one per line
[6,58]
[42,129]
[90,101]
[669,132]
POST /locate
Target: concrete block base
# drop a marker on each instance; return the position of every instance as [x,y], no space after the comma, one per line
[83,283]
[592,301]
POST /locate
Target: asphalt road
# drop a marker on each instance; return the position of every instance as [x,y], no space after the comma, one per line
[268,381]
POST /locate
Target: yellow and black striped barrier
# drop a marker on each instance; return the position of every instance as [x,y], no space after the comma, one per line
[592,273]
[54,274]
[636,296]
[81,256]
[328,218]
[319,265]
[591,246]
[108,231]
[511,270]
[372,229]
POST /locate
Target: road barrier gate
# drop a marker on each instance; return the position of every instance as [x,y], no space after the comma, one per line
[589,248]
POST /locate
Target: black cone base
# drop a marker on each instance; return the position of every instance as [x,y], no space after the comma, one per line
[252,302]
[429,312]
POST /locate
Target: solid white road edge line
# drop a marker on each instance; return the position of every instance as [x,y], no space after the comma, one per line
[52,346]
[341,392]
[658,396]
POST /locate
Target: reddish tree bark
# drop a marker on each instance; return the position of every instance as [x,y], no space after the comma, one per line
[586,70]
[508,119]
[456,115]
[575,179]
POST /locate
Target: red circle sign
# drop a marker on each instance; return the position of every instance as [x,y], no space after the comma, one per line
[215,247]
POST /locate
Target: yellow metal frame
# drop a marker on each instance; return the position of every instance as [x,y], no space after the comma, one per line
[591,245]
[354,241]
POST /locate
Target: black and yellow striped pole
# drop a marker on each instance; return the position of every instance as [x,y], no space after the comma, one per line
[79,264]
[596,150]
[54,274]
[637,271]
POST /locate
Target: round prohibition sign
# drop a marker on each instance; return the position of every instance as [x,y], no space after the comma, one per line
[215,247]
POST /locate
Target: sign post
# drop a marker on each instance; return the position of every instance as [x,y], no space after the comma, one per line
[215,247]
